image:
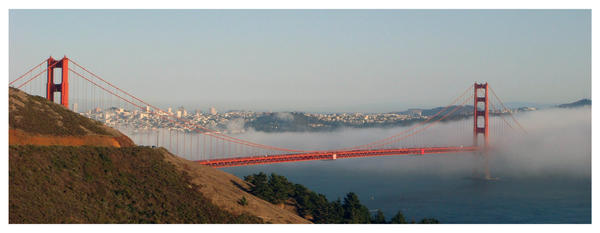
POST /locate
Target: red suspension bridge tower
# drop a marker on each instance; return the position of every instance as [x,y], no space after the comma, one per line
[63,86]
[481,111]
[481,122]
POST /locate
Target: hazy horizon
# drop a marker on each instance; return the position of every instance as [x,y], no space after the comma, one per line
[316,60]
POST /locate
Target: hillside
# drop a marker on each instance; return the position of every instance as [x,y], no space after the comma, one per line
[225,190]
[59,181]
[579,103]
[463,110]
[60,184]
[33,120]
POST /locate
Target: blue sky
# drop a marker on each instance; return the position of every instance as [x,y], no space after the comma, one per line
[316,60]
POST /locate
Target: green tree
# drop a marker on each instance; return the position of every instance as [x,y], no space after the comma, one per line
[379,217]
[398,218]
[337,212]
[354,211]
[322,211]
[302,197]
[260,185]
[282,189]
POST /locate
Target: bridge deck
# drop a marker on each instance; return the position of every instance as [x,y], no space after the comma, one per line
[330,155]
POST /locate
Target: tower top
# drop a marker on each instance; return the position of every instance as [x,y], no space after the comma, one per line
[63,86]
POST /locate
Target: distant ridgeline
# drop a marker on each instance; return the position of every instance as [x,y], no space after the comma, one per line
[315,207]
[303,122]
[579,103]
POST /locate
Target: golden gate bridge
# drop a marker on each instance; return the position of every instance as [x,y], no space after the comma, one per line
[89,91]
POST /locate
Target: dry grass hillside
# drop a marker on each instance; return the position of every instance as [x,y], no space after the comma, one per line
[222,187]
[33,120]
[83,184]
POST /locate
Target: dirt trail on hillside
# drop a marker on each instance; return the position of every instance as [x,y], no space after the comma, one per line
[19,137]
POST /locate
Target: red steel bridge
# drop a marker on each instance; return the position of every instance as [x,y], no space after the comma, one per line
[77,88]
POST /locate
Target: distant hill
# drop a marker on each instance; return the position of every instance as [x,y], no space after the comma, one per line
[54,179]
[579,103]
[516,105]
[462,110]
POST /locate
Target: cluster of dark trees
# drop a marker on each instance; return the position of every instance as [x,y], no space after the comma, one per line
[315,207]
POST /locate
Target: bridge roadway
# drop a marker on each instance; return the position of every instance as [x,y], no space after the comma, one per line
[331,155]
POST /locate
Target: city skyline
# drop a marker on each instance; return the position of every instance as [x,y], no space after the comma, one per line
[318,60]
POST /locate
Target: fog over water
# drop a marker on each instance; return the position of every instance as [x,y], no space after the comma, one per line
[544,175]
[557,141]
